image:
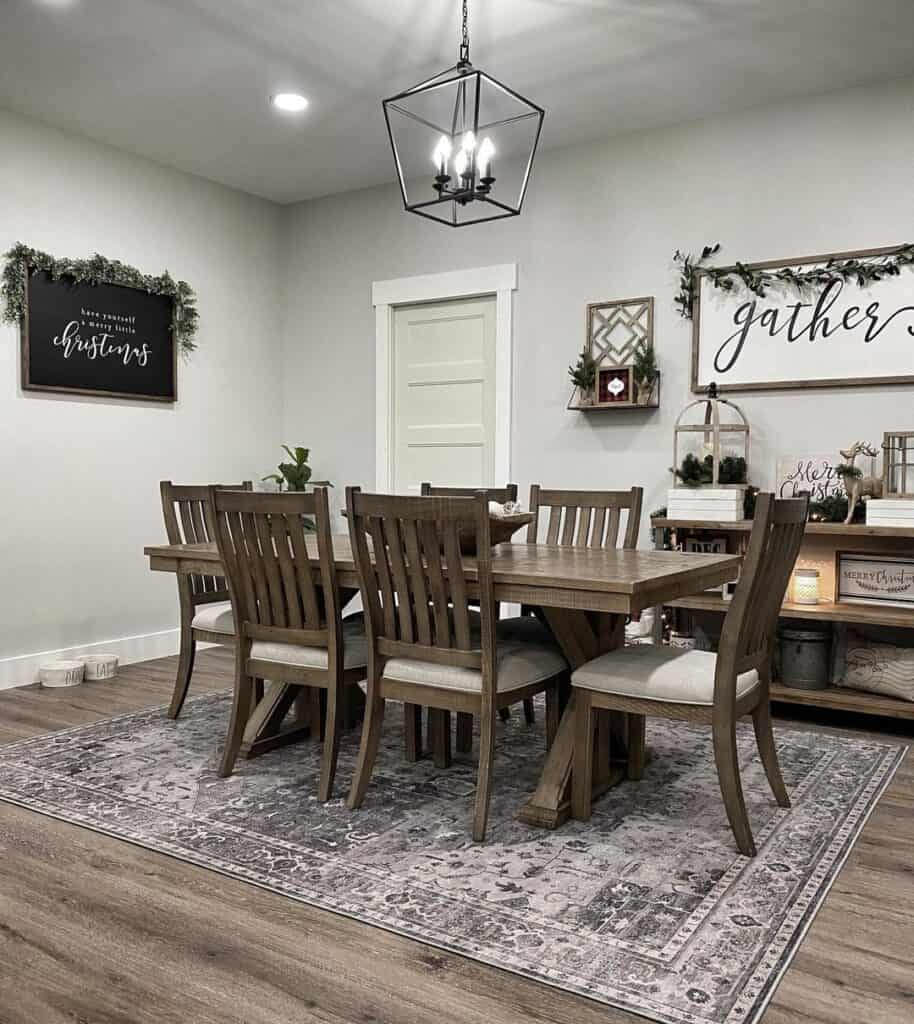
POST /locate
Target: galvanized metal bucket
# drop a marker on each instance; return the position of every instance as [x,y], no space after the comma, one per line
[804,658]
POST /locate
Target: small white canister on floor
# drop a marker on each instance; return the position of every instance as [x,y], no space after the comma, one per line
[100,666]
[61,673]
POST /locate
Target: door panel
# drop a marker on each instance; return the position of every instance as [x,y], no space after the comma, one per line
[444,394]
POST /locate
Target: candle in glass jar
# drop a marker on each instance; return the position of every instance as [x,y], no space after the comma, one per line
[806,586]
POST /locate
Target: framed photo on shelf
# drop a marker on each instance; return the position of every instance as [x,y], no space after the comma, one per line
[707,545]
[711,546]
[862,578]
[615,386]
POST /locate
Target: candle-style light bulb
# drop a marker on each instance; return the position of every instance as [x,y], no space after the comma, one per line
[461,162]
[442,154]
[484,156]
[468,143]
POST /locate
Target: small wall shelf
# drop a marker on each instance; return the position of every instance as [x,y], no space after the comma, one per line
[575,406]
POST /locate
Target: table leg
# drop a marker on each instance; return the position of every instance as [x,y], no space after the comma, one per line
[582,636]
[266,729]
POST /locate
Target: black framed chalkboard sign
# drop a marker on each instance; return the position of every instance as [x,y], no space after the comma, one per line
[97,339]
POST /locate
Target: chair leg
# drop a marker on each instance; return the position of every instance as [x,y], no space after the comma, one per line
[731,787]
[635,770]
[412,714]
[242,706]
[484,779]
[185,670]
[529,713]
[333,726]
[439,731]
[368,749]
[504,714]
[582,766]
[464,738]
[764,737]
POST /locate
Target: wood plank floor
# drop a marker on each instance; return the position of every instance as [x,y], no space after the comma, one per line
[95,931]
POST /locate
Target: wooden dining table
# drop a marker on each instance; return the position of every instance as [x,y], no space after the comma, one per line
[584,594]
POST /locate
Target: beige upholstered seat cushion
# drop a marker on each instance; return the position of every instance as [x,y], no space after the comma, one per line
[657,673]
[215,618]
[355,650]
[518,663]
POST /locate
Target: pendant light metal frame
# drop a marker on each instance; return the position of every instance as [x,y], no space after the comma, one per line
[462,72]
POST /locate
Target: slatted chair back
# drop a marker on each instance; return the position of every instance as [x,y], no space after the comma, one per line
[189,520]
[586,519]
[280,591]
[413,577]
[749,629]
[499,494]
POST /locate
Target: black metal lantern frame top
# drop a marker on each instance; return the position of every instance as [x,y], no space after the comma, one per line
[448,196]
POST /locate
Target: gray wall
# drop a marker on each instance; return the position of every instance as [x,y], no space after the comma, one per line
[79,476]
[287,329]
[601,222]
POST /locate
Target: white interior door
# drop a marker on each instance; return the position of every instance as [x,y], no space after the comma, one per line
[443,394]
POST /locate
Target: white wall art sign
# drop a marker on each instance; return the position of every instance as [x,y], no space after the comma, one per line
[875,579]
[816,475]
[825,334]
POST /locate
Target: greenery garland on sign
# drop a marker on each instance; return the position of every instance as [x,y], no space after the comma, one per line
[862,270]
[98,270]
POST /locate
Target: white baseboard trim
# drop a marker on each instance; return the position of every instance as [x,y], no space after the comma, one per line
[22,670]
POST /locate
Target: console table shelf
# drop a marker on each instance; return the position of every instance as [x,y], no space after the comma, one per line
[836,530]
[837,698]
[855,614]
[821,542]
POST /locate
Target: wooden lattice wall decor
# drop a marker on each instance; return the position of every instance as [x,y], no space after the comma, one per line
[616,331]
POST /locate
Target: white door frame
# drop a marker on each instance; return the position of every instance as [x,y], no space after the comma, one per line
[500,281]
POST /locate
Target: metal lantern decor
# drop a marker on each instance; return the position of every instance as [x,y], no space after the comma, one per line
[714,451]
[450,133]
[898,464]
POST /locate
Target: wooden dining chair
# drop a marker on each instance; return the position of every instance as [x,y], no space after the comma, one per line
[287,609]
[423,647]
[586,519]
[440,727]
[499,494]
[698,686]
[206,613]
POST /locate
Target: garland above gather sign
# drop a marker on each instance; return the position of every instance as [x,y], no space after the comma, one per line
[821,321]
[97,326]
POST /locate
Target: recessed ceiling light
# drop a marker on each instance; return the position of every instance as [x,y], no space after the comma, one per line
[290,102]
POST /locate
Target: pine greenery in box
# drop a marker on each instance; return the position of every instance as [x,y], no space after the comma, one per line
[695,472]
[584,372]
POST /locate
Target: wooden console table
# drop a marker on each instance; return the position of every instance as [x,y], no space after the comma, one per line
[820,543]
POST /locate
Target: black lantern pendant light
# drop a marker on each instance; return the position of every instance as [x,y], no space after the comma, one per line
[446,134]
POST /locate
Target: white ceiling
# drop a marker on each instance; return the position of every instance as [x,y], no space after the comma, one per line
[187,82]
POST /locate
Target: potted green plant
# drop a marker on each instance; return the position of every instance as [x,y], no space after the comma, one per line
[296,475]
[645,373]
[584,375]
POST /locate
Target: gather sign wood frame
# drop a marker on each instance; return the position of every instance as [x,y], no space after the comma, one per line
[834,334]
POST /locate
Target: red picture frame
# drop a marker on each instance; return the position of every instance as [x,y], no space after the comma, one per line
[615,386]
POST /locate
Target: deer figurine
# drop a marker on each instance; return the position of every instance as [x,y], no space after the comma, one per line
[856,483]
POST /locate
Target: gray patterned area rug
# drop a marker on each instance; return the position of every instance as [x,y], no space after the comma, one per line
[647,907]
